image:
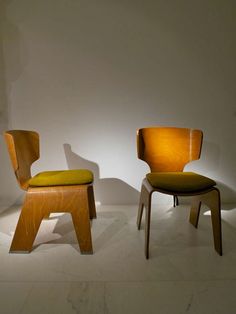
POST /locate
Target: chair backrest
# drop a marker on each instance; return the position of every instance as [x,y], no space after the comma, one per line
[23,148]
[168,149]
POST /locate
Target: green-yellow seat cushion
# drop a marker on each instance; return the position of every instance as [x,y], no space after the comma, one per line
[62,177]
[179,182]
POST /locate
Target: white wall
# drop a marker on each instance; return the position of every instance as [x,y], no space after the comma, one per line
[87,74]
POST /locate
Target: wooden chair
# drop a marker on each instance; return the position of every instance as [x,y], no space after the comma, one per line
[69,191]
[167,150]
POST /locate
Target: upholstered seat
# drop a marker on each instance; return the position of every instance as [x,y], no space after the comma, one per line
[179,182]
[62,177]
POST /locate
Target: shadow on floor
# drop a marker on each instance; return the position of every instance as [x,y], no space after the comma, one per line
[110,224]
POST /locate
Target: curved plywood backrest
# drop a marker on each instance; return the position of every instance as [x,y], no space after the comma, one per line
[168,148]
[23,148]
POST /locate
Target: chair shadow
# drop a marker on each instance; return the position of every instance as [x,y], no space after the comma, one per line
[112,223]
[228,195]
[107,190]
[63,232]
[17,58]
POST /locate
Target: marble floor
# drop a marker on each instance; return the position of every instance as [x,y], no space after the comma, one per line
[183,275]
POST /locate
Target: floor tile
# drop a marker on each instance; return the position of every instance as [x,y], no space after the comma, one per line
[183,275]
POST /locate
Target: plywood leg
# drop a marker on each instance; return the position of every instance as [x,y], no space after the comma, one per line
[141,205]
[145,201]
[140,214]
[92,207]
[195,211]
[175,200]
[39,202]
[81,223]
[147,228]
[212,200]
[26,230]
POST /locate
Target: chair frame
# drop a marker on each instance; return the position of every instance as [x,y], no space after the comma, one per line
[40,202]
[210,197]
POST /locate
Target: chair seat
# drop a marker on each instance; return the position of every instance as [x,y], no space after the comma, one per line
[179,182]
[61,177]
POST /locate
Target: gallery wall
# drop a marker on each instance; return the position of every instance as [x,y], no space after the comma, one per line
[87,74]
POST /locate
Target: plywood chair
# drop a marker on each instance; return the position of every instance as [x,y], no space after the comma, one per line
[69,191]
[167,150]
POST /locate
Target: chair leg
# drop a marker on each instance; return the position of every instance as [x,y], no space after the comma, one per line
[39,202]
[195,211]
[81,221]
[175,200]
[145,201]
[80,207]
[140,209]
[91,201]
[27,227]
[212,200]
[147,227]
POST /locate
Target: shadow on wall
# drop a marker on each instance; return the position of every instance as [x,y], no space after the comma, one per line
[3,94]
[208,165]
[211,163]
[209,160]
[228,195]
[210,156]
[13,58]
[107,190]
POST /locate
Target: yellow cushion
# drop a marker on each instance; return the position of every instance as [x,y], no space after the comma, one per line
[179,182]
[62,177]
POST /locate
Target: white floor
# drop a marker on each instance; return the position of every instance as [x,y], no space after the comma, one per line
[183,275]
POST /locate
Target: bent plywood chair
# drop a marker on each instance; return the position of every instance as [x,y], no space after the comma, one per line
[69,191]
[167,150]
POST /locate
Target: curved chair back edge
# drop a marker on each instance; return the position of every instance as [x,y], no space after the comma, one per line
[23,149]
